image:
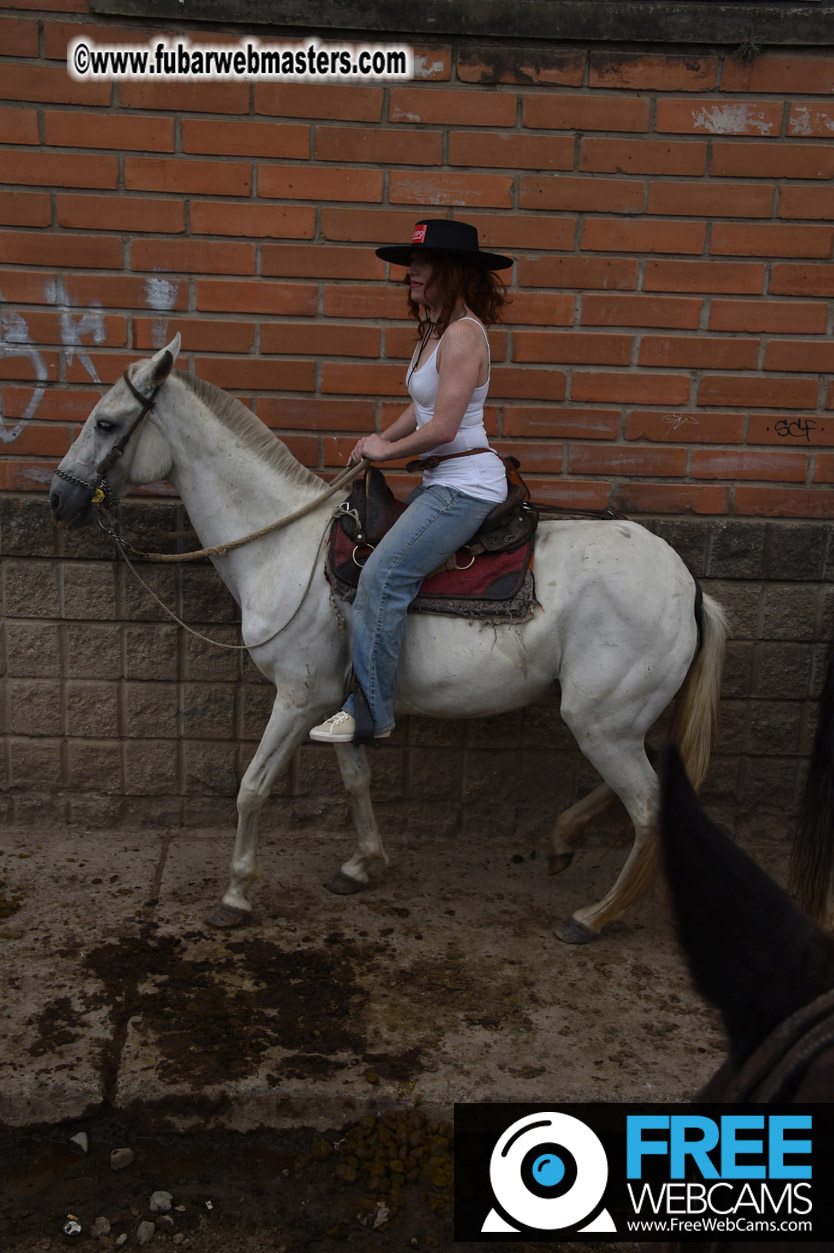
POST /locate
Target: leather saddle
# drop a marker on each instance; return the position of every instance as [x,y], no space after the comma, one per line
[371,510]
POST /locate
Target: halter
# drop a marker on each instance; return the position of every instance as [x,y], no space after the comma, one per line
[100,489]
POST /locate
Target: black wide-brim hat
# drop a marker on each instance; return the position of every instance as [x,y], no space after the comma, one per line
[458,239]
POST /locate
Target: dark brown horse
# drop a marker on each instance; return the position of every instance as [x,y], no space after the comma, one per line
[760,960]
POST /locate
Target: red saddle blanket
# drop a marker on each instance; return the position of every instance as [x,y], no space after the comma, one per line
[492,585]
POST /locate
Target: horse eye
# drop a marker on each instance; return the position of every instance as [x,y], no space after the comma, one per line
[104,424]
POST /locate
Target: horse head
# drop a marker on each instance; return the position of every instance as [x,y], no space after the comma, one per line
[752,953]
[119,446]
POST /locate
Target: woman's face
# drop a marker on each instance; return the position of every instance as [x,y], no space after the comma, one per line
[419,277]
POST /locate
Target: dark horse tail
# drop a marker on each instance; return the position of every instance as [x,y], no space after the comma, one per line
[812,859]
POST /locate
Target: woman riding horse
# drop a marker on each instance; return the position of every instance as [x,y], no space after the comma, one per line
[453,293]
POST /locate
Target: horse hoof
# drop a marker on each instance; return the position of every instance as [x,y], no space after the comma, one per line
[557,862]
[227,916]
[343,885]
[573,932]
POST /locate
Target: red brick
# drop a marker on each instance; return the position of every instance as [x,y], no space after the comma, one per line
[122,291]
[639,71]
[293,182]
[373,226]
[350,103]
[14,366]
[109,366]
[813,120]
[614,309]
[320,339]
[438,188]
[760,239]
[18,37]
[512,65]
[802,280]
[527,384]
[784,502]
[192,256]
[252,373]
[786,467]
[379,146]
[121,213]
[88,252]
[245,139]
[800,356]
[676,427]
[806,202]
[24,288]
[643,156]
[51,84]
[347,301]
[710,200]
[572,346]
[585,113]
[22,208]
[719,117]
[511,152]
[570,494]
[616,461]
[452,108]
[229,296]
[824,468]
[799,317]
[704,276]
[288,412]
[55,169]
[702,352]
[561,423]
[19,126]
[186,97]
[535,458]
[631,389]
[760,393]
[315,261]
[57,36]
[39,439]
[643,235]
[199,334]
[761,160]
[46,327]
[217,178]
[790,72]
[792,430]
[362,380]
[263,221]
[19,475]
[580,195]
[540,309]
[119,131]
[615,273]
[671,498]
[56,404]
[432,64]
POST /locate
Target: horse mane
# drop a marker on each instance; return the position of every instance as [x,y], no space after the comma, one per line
[751,952]
[234,415]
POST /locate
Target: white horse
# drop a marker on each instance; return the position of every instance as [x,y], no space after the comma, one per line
[621,627]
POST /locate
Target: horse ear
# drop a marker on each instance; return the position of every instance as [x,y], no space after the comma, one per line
[163,363]
[751,952]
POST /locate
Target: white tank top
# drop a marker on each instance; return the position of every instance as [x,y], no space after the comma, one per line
[480,476]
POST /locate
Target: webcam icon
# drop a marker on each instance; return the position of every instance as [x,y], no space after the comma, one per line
[548,1172]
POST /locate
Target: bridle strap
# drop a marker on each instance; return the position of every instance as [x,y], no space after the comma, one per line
[147,403]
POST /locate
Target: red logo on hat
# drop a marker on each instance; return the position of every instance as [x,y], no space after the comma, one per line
[419,233]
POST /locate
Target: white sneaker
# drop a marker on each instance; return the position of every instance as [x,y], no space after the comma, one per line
[340,729]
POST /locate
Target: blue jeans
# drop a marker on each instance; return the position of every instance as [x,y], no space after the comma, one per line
[438,521]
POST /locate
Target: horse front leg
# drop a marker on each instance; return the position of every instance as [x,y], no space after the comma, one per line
[284,732]
[356,776]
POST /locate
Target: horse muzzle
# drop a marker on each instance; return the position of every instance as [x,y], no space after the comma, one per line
[71,502]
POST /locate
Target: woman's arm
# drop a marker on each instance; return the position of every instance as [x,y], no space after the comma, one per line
[402,426]
[462,357]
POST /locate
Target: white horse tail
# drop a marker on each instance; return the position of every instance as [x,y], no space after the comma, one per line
[812,856]
[696,710]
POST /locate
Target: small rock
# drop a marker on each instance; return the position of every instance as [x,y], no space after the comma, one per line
[178,1238]
[161,1202]
[165,1222]
[80,1142]
[145,1232]
[120,1158]
[121,1240]
[101,1227]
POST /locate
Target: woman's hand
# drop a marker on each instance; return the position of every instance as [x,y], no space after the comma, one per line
[374,447]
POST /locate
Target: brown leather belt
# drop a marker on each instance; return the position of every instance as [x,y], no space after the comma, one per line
[429,463]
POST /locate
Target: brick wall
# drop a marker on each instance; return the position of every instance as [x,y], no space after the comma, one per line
[671,213]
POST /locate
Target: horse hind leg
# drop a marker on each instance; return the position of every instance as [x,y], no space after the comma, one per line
[356,776]
[571,824]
